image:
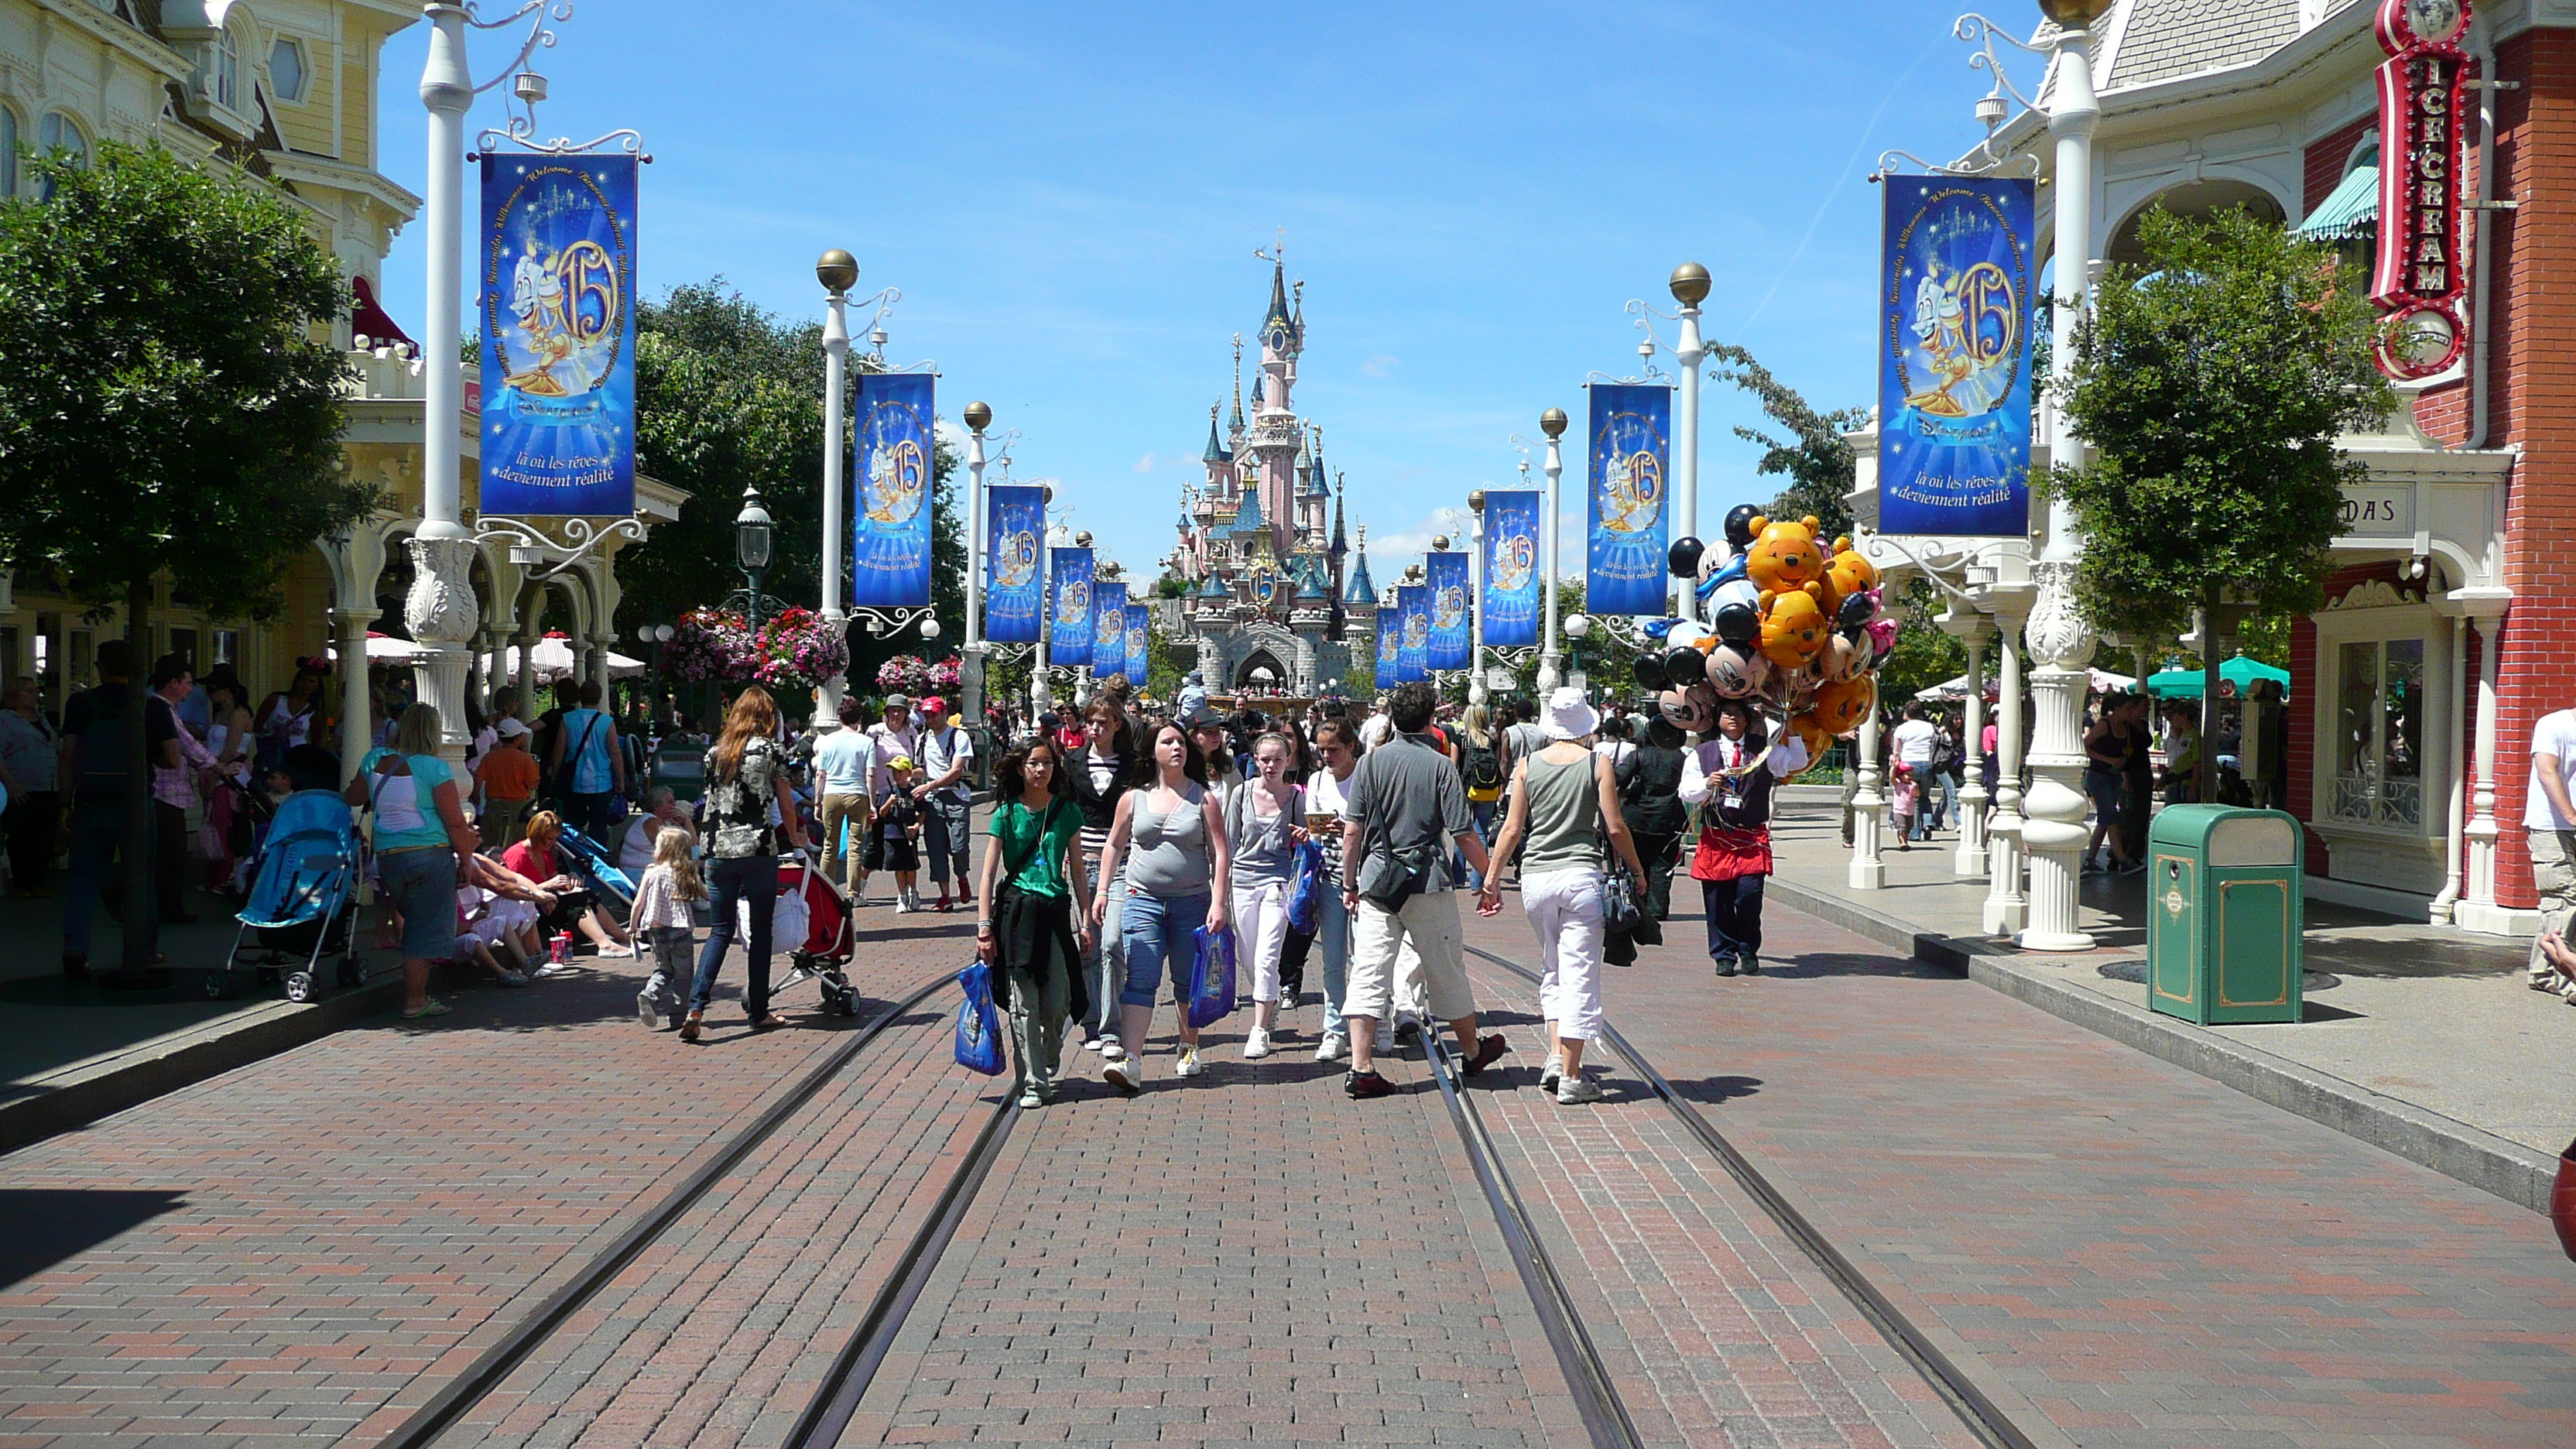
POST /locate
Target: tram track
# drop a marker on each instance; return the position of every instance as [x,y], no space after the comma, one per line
[493,1367]
[1970,1404]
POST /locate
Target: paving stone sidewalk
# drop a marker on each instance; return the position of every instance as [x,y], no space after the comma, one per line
[2147,1258]
[280,1252]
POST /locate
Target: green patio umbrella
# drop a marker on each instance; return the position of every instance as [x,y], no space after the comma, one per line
[2239,671]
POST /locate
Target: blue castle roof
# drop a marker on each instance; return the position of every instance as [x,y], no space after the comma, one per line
[1359,592]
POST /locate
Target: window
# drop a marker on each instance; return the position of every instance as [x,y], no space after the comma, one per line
[8,152]
[223,76]
[286,70]
[59,132]
[2379,734]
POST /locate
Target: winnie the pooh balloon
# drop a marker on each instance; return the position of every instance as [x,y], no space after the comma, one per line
[1847,573]
[1842,705]
[1785,556]
[1811,733]
[1794,628]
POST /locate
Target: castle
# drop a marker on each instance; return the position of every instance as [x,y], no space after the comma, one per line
[1270,589]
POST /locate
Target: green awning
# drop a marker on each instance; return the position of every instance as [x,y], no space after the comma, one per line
[2239,671]
[2351,211]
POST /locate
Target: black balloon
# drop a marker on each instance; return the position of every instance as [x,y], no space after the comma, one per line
[1856,610]
[1685,556]
[1685,667]
[1738,623]
[1650,671]
[1739,524]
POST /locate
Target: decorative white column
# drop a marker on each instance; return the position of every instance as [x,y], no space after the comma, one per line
[2478,910]
[970,654]
[441,609]
[1690,283]
[355,739]
[1551,663]
[2007,909]
[2058,634]
[1476,595]
[1970,859]
[1869,808]
[837,270]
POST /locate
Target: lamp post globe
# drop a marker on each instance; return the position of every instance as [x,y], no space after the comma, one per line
[1690,284]
[2074,14]
[837,270]
[979,416]
[1552,422]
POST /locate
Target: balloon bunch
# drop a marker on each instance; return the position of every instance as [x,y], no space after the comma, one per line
[1794,625]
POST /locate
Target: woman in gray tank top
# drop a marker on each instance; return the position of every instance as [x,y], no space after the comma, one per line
[1265,820]
[1172,840]
[1565,803]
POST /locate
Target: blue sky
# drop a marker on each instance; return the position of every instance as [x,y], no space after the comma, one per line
[1070,196]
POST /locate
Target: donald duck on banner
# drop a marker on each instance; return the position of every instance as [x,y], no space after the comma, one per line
[558,321]
[891,548]
[1069,639]
[1631,443]
[1954,374]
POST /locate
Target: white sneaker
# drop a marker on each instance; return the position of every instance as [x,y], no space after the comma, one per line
[1189,1064]
[1574,1091]
[1092,1045]
[1257,1045]
[1112,1049]
[1333,1047]
[1551,1074]
[1120,1073]
[1032,1099]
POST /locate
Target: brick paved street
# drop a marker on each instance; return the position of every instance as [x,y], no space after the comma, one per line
[2143,1256]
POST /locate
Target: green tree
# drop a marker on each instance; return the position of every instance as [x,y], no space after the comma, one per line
[1814,457]
[169,399]
[2212,382]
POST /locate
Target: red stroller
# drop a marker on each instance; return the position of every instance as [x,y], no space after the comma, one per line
[813,926]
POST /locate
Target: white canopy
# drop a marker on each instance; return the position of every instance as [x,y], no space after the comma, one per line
[553,659]
[2099,681]
[384,650]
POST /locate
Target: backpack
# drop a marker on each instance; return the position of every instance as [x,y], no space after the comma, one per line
[1479,767]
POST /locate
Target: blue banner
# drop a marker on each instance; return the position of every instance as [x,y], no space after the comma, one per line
[1108,630]
[1453,642]
[1413,651]
[1014,584]
[1390,644]
[1511,602]
[890,527]
[558,315]
[1069,636]
[1140,622]
[1629,529]
[1954,385]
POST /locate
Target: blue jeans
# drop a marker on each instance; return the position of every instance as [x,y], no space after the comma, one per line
[97,828]
[945,839]
[1488,816]
[1154,930]
[1333,938]
[728,882]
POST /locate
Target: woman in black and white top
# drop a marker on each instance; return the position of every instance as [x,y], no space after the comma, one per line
[1096,777]
[746,776]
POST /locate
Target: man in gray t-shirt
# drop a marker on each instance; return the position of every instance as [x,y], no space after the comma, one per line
[1402,809]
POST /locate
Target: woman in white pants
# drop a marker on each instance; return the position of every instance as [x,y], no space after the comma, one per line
[1265,821]
[1565,803]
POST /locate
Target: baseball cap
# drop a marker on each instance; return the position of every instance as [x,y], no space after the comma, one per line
[511,727]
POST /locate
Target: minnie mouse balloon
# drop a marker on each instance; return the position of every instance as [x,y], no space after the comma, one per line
[1856,610]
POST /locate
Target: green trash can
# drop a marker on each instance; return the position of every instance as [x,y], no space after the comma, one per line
[2225,908]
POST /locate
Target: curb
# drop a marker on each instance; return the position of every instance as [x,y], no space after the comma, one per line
[2520,1175]
[85,1092]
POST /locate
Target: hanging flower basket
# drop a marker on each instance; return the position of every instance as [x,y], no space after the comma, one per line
[904,674]
[711,645]
[798,650]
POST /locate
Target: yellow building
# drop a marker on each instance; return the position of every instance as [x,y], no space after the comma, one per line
[288,90]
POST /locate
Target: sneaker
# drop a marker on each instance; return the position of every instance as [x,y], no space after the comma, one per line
[1551,1074]
[903,905]
[1725,965]
[549,971]
[648,1010]
[2133,867]
[1364,1085]
[689,1029]
[942,906]
[1189,1065]
[1574,1091]
[1112,1049]
[510,977]
[1488,1052]
[1119,1072]
[1407,1026]
[1032,1099]
[1256,1046]
[1091,1045]
[1333,1047]
[1752,966]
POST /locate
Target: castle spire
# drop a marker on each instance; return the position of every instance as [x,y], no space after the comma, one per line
[1279,295]
[1215,452]
[1340,547]
[1236,421]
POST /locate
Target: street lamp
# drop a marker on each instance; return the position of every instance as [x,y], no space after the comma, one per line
[970,664]
[1550,662]
[752,530]
[838,271]
[1476,590]
[1690,288]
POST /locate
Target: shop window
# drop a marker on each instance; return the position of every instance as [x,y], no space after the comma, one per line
[2379,734]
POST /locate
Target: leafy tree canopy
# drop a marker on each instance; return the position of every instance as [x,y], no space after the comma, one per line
[169,396]
[1814,458]
[2211,383]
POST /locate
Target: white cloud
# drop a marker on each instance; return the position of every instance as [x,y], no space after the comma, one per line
[1381,365]
[1145,464]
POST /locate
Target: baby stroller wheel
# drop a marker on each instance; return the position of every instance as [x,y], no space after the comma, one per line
[299,986]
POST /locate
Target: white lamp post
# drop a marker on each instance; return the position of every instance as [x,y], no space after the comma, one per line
[1550,661]
[2059,637]
[838,271]
[1690,284]
[1476,595]
[970,660]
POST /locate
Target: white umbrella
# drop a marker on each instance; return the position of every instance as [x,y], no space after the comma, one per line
[2099,681]
[553,659]
[382,649]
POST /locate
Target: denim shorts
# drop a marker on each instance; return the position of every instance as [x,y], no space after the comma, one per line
[421,883]
[1159,934]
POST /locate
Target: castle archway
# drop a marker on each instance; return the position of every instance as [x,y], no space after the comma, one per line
[1261,670]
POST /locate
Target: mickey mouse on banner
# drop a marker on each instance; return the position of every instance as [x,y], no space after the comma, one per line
[1795,625]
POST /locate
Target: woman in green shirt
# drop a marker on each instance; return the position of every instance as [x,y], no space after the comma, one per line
[1032,886]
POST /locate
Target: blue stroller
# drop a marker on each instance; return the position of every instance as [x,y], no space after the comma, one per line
[303,901]
[598,865]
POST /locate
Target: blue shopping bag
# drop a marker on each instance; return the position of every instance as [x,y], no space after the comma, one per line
[1306,887]
[979,1023]
[1212,977]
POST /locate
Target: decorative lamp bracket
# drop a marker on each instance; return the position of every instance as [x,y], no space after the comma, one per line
[882,622]
[543,556]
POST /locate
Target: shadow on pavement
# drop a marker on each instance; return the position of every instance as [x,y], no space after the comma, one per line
[1839,963]
[1713,1091]
[48,1225]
